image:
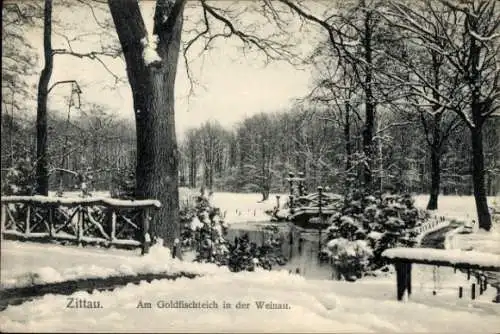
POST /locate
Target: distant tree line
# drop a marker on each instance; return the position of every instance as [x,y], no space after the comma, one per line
[257,154]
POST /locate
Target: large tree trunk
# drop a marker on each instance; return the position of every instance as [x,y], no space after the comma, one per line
[477,109]
[42,176]
[153,95]
[435,179]
[483,213]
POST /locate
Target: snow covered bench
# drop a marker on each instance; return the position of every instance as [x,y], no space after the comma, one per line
[91,220]
[403,258]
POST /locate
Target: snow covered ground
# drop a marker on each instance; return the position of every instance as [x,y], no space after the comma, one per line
[25,264]
[457,207]
[307,305]
[249,208]
[240,208]
[314,305]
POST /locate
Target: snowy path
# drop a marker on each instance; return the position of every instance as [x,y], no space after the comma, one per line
[313,306]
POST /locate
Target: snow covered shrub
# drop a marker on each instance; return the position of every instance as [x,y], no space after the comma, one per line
[246,256]
[203,231]
[381,221]
[350,258]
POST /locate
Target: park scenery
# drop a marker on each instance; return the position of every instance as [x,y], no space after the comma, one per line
[250,166]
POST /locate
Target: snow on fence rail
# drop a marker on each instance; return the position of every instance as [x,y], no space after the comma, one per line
[403,258]
[91,220]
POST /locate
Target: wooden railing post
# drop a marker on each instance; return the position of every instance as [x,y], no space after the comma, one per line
[113,225]
[146,238]
[3,219]
[28,217]
[408,278]
[79,224]
[51,222]
[403,276]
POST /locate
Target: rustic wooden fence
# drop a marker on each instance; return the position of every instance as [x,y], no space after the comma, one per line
[104,221]
[403,258]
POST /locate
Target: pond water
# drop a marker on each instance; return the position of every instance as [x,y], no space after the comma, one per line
[299,246]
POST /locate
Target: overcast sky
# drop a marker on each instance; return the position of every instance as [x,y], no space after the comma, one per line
[232,86]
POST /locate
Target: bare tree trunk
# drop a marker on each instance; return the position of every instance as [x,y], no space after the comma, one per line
[153,95]
[477,109]
[42,176]
[435,179]
[483,213]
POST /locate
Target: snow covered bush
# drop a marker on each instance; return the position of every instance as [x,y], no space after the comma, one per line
[380,221]
[350,258]
[203,231]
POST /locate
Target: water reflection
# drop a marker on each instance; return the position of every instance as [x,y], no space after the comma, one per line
[300,247]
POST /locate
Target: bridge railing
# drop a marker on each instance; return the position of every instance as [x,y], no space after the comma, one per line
[104,221]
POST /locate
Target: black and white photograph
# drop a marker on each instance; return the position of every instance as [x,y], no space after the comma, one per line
[250,166]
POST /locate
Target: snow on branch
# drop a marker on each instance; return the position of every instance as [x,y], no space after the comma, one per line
[483,38]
